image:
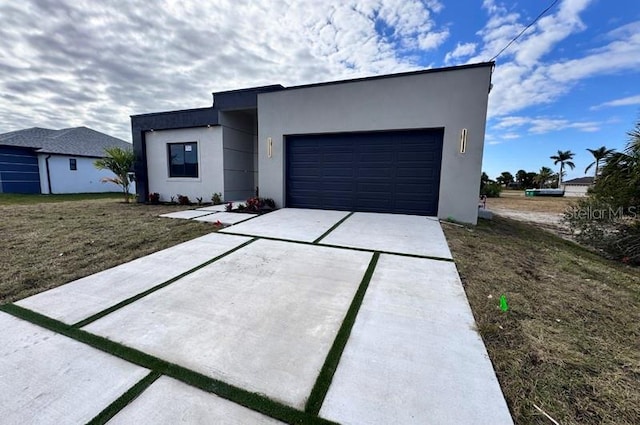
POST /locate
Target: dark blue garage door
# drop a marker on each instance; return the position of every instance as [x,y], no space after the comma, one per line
[397,172]
[18,170]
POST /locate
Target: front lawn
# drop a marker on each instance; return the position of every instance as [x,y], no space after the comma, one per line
[49,241]
[570,341]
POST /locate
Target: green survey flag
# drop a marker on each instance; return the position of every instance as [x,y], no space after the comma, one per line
[503,303]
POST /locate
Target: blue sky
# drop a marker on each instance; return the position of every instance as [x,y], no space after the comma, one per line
[571,82]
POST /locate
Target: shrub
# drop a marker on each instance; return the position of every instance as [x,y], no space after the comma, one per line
[491,190]
[613,231]
[183,200]
[229,207]
[259,205]
[216,198]
[154,198]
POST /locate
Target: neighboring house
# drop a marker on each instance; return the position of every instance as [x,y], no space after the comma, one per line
[577,187]
[40,160]
[403,143]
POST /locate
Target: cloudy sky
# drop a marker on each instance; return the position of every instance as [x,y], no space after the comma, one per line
[571,82]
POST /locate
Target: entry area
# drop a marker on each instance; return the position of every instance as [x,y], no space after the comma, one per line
[389,171]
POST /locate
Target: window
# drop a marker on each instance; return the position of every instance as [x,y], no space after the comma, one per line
[183,159]
[73,165]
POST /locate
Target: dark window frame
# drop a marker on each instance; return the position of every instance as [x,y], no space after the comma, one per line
[73,164]
[178,156]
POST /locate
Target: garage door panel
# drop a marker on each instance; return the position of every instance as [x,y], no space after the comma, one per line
[371,172]
[340,171]
[383,171]
[374,157]
[346,157]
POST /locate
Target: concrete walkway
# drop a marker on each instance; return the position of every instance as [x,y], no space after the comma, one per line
[297,316]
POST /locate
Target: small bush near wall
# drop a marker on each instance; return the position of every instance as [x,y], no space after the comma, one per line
[154,198]
[183,200]
[216,198]
[253,205]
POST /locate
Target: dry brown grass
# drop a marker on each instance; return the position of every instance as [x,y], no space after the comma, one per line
[46,244]
[570,342]
[515,200]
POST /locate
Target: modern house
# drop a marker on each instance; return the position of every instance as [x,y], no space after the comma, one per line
[40,160]
[577,187]
[407,143]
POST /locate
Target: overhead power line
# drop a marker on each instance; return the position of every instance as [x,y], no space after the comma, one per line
[524,30]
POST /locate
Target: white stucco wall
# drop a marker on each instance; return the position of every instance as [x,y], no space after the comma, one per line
[210,163]
[86,179]
[575,190]
[453,100]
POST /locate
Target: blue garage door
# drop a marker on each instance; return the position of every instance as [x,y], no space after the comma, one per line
[18,170]
[397,172]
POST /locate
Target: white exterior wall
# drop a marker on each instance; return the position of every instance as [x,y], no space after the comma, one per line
[86,179]
[454,99]
[575,190]
[210,163]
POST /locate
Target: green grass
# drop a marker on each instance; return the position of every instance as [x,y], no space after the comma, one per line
[29,199]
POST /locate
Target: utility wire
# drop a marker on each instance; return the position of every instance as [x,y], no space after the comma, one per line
[524,30]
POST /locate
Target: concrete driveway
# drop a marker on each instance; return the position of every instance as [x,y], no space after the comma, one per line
[298,316]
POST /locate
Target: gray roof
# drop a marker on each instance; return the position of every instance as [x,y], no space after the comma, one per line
[80,141]
[580,180]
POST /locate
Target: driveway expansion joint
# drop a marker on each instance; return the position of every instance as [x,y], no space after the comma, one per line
[321,387]
[126,398]
[254,401]
[149,291]
[325,234]
[401,254]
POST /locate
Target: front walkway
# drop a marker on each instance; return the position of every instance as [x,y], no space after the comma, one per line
[297,316]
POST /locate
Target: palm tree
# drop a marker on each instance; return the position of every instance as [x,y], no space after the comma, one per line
[598,155]
[564,158]
[544,175]
[120,162]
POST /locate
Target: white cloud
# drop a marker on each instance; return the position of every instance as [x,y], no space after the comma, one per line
[99,63]
[461,51]
[625,101]
[541,125]
[511,136]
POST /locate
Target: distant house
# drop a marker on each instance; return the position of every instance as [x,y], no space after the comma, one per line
[577,187]
[41,160]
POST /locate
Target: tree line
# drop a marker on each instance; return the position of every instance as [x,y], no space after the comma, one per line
[545,177]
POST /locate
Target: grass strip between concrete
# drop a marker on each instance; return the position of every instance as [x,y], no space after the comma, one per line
[321,387]
[325,234]
[351,248]
[121,402]
[253,401]
[135,298]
